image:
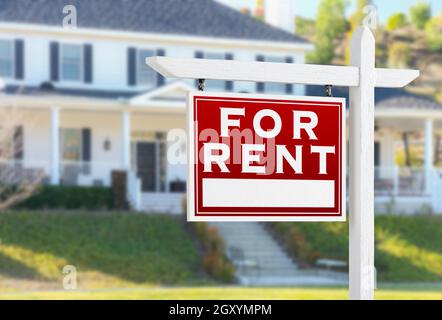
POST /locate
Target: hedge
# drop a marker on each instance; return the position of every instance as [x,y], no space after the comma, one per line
[69,197]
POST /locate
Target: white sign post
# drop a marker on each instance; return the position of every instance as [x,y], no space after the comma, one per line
[362,77]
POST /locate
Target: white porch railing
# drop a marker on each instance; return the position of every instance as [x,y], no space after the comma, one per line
[83,173]
[400,181]
[134,190]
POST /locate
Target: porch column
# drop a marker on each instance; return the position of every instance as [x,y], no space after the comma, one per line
[125,140]
[55,146]
[428,159]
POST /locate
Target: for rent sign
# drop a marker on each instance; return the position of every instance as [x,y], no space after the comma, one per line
[266,158]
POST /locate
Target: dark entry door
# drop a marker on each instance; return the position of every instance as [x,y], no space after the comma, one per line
[147,165]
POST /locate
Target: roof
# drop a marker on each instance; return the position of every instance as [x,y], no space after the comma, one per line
[384,97]
[61,92]
[206,18]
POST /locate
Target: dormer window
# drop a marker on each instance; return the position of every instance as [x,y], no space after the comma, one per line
[6,58]
[71,62]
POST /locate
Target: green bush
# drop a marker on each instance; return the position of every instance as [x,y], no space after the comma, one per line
[420,14]
[215,262]
[67,197]
[396,21]
[434,35]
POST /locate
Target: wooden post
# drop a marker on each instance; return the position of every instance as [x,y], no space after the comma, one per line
[361,214]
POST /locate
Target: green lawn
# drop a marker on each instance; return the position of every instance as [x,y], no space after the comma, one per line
[231,293]
[108,250]
[408,248]
[137,256]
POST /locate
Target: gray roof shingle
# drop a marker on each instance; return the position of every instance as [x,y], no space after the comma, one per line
[206,18]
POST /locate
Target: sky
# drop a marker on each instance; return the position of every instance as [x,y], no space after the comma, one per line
[307,8]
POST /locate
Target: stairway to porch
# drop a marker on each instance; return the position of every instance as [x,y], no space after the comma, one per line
[260,260]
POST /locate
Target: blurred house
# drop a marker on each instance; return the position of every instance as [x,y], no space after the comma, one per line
[90,105]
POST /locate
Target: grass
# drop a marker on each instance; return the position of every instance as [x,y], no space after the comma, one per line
[231,293]
[137,256]
[107,249]
[408,248]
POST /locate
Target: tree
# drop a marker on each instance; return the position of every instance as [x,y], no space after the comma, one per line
[433,30]
[355,21]
[16,181]
[305,27]
[420,14]
[330,25]
[399,55]
[396,21]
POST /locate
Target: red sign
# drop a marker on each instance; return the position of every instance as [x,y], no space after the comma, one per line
[266,158]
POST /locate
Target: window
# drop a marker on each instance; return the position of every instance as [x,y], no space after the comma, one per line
[274,87]
[71,144]
[146,75]
[215,85]
[71,62]
[6,58]
[11,143]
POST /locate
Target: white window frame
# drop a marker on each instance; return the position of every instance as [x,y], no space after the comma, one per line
[152,84]
[62,140]
[12,76]
[279,59]
[81,63]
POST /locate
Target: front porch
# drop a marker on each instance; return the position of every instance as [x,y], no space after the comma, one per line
[79,141]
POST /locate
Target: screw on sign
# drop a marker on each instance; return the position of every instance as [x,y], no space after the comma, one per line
[260,157]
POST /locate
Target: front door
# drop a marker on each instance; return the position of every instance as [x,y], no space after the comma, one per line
[147,165]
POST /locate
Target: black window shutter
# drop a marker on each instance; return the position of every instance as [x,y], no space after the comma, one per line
[19,59]
[131,66]
[198,55]
[260,85]
[18,143]
[229,84]
[289,86]
[160,79]
[86,150]
[86,154]
[88,56]
[54,58]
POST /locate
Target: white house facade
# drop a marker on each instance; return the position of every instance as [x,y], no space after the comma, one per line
[84,103]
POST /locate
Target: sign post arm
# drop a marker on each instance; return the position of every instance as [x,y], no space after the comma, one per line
[361,214]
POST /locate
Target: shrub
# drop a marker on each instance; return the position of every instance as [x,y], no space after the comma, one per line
[396,21]
[67,197]
[420,14]
[399,55]
[215,262]
[433,30]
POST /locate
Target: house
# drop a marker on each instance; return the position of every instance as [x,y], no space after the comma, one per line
[85,103]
